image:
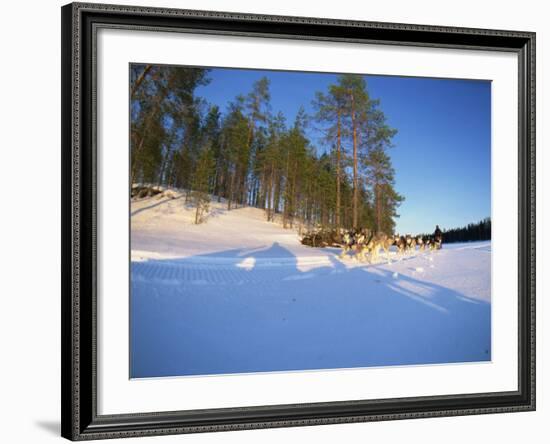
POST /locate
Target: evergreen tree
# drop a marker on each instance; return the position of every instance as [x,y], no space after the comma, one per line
[162,103]
[200,195]
[386,199]
[295,146]
[256,106]
[271,161]
[211,137]
[331,110]
[472,232]
[235,148]
[380,174]
[357,107]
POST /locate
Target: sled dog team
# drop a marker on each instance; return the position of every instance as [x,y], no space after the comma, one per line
[365,241]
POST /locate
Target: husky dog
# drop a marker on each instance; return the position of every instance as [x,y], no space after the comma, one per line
[428,243]
[432,243]
[420,243]
[386,242]
[377,242]
[410,243]
[364,240]
[363,243]
[348,242]
[401,243]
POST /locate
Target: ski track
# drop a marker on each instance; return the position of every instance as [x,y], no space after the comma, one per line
[215,274]
[229,271]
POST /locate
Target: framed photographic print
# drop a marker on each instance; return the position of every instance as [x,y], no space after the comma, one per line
[279,221]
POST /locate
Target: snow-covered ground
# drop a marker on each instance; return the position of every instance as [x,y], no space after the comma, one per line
[239,294]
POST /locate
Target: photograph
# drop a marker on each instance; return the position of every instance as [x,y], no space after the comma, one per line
[285,221]
[291,220]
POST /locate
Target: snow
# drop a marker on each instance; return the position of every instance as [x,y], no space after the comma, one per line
[239,294]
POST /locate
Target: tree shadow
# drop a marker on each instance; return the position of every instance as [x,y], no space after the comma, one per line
[161,201]
[212,213]
[441,298]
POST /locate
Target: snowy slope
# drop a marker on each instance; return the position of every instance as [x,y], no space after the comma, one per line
[163,228]
[239,294]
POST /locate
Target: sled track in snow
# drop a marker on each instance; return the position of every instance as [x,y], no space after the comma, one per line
[238,271]
[228,272]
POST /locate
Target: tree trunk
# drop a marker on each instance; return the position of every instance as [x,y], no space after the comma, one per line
[338,148]
[355,178]
[244,189]
[162,168]
[134,160]
[270,197]
[378,208]
[197,214]
[293,194]
[277,197]
[286,194]
[230,196]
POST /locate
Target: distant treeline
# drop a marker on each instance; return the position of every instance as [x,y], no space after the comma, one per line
[249,155]
[472,232]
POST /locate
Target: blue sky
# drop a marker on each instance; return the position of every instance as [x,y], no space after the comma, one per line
[442,152]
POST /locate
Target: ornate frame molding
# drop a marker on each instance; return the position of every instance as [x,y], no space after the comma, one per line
[79,395]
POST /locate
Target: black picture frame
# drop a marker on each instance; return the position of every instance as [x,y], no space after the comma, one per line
[80,420]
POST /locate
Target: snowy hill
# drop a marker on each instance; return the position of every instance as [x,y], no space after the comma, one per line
[164,226]
[240,294]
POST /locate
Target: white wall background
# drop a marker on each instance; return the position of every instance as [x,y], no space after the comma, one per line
[30,220]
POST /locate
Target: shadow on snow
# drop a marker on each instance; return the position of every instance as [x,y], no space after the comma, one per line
[243,310]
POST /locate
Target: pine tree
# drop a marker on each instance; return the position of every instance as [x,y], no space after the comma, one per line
[295,146]
[380,174]
[235,148]
[357,108]
[200,195]
[256,106]
[386,199]
[471,232]
[162,100]
[211,137]
[330,110]
[271,161]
